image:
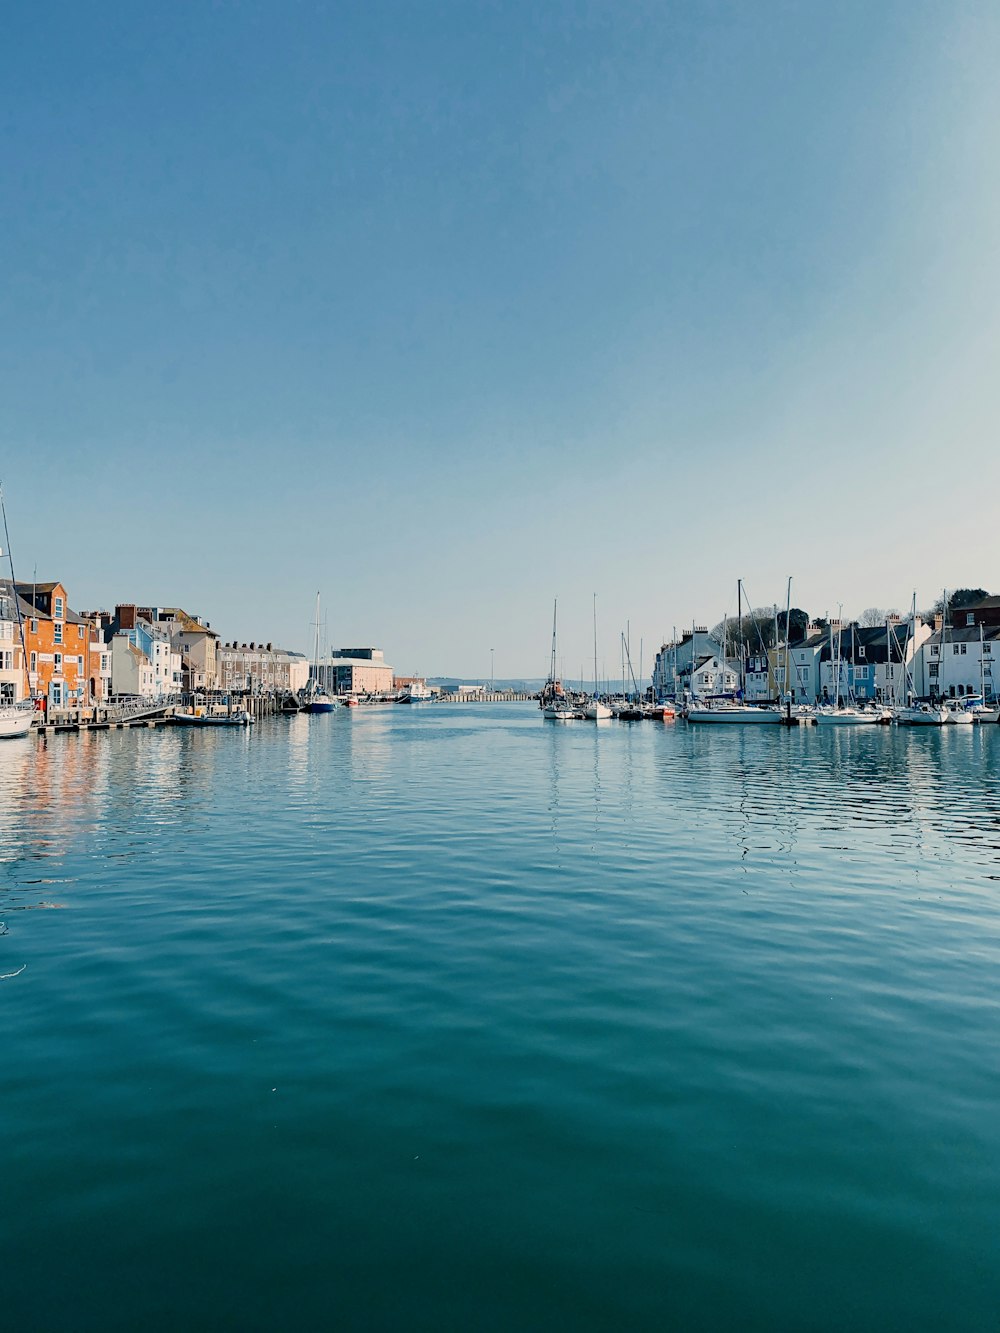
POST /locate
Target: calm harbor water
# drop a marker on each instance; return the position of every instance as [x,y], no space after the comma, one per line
[448,1018]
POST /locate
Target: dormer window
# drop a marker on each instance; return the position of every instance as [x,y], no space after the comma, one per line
[861,650]
[57,613]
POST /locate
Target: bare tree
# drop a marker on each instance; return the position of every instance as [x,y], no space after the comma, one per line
[872,616]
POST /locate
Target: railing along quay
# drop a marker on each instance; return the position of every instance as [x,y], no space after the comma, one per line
[486,697]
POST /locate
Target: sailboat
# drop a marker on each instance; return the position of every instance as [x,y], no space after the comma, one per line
[913,713]
[729,710]
[553,702]
[594,710]
[16,715]
[846,714]
[314,697]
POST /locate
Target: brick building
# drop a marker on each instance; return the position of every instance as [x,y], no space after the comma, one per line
[58,642]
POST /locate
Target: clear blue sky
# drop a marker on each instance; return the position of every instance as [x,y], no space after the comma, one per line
[446,309]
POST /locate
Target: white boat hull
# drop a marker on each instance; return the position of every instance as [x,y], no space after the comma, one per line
[846,717]
[752,716]
[15,720]
[597,712]
[921,717]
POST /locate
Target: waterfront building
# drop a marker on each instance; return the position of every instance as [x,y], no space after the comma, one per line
[260,667]
[100,667]
[131,669]
[957,662]
[985,612]
[149,666]
[58,644]
[354,671]
[13,681]
[673,663]
[714,675]
[195,641]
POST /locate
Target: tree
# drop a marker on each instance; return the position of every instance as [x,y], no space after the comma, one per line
[959,598]
[755,633]
[871,616]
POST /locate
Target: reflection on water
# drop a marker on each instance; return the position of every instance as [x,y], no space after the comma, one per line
[452,1018]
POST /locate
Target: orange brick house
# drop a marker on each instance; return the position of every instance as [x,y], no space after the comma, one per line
[59,645]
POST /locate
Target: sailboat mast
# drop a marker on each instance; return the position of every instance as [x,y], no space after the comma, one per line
[552,667]
[595,646]
[788,651]
[316,643]
[17,600]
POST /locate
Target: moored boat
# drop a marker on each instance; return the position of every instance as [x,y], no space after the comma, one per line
[921,715]
[196,719]
[724,711]
[847,717]
[16,719]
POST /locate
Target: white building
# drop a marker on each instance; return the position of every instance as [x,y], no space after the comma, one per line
[715,675]
[131,669]
[672,665]
[953,663]
[13,680]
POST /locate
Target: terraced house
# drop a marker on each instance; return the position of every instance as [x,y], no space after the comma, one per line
[58,643]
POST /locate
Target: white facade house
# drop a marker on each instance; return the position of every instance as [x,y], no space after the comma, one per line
[954,663]
[715,675]
[131,669]
[673,663]
[13,678]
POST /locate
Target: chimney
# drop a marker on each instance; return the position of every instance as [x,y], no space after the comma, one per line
[892,619]
[268,647]
[938,622]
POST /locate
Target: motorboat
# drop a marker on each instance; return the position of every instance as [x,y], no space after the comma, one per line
[201,719]
[921,715]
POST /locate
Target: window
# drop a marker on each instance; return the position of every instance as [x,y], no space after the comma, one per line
[79,631]
[934,650]
[861,650]
[57,613]
[34,627]
[58,632]
[954,649]
[970,618]
[963,647]
[987,647]
[34,662]
[933,670]
[57,664]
